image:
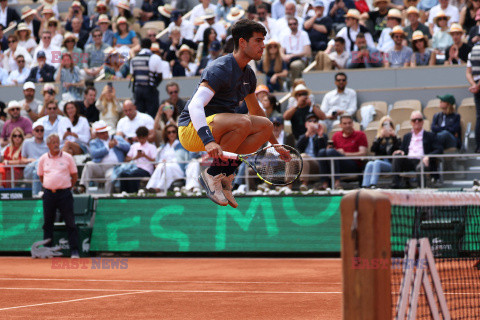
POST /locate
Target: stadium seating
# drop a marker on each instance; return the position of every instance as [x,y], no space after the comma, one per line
[414,104]
[430,111]
[401,114]
[381,109]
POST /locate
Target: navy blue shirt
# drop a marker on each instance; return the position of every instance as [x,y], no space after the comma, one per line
[230,83]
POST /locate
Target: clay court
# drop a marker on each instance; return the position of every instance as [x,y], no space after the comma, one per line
[170,288]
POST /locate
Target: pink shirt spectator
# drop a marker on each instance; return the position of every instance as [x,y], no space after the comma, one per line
[415,149]
[148,149]
[22,122]
[56,171]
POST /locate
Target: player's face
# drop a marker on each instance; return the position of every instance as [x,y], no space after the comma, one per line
[255,46]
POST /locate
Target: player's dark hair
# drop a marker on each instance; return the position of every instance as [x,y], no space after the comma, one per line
[244,29]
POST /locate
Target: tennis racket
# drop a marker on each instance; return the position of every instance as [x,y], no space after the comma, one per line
[277,165]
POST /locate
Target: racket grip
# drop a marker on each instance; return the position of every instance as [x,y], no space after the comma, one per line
[230,155]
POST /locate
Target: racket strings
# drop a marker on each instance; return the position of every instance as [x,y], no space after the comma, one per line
[273,169]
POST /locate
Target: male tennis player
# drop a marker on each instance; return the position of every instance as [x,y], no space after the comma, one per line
[209,122]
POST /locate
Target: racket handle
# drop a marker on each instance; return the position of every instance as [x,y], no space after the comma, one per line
[230,155]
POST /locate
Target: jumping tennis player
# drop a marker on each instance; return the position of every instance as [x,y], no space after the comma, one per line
[209,122]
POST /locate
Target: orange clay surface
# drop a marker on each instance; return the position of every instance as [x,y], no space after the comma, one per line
[170,288]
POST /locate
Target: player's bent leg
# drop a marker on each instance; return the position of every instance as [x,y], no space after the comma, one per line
[230,130]
[261,131]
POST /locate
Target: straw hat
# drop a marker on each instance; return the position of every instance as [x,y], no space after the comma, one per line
[124,5]
[53,19]
[166,10]
[198,21]
[209,14]
[103,18]
[47,9]
[272,42]
[440,14]
[122,20]
[300,88]
[155,47]
[353,13]
[394,13]
[78,5]
[412,10]
[183,48]
[101,4]
[375,2]
[13,104]
[67,36]
[27,11]
[397,30]
[49,86]
[407,3]
[101,126]
[418,35]
[455,27]
[22,26]
[235,14]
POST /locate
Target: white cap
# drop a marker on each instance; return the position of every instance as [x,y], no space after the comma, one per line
[13,104]
[29,85]
[101,126]
[37,124]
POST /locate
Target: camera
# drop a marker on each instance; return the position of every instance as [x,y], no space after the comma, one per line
[69,129]
[75,11]
[168,107]
[51,92]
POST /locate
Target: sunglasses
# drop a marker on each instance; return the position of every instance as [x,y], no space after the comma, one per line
[39,130]
[302,94]
[172,92]
[97,35]
[69,41]
[52,108]
[443,18]
[16,136]
[293,24]
[417,120]
[52,24]
[341,80]
[168,132]
[12,41]
[15,109]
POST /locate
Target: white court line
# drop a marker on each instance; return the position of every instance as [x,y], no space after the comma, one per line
[170,281]
[73,300]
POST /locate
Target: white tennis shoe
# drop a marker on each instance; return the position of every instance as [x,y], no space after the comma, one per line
[227,190]
[213,187]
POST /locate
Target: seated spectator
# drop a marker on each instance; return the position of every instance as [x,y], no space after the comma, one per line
[467,15]
[122,9]
[95,54]
[104,26]
[256,5]
[296,49]
[142,154]
[86,107]
[124,36]
[267,21]
[318,27]
[271,106]
[32,149]
[106,151]
[422,56]
[224,9]
[10,15]
[339,102]
[25,39]
[346,143]
[412,144]
[200,10]
[128,125]
[400,55]
[184,66]
[70,46]
[76,132]
[297,113]
[97,9]
[474,33]
[80,33]
[20,74]
[52,122]
[292,101]
[350,32]
[376,20]
[209,19]
[49,93]
[3,39]
[53,27]
[385,144]
[75,12]
[167,114]
[337,11]
[12,159]
[273,66]
[115,67]
[109,107]
[413,16]
[446,9]
[209,35]
[3,76]
[149,10]
[30,105]
[446,124]
[173,91]
[441,38]
[15,121]
[50,8]
[52,52]
[186,27]
[278,8]
[282,27]
[364,56]
[176,40]
[279,133]
[385,42]
[337,59]
[69,77]
[458,52]
[8,61]
[215,51]
[42,72]
[309,144]
[169,154]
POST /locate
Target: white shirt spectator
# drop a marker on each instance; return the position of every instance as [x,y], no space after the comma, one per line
[295,43]
[17,75]
[278,9]
[345,101]
[385,42]
[272,29]
[3,17]
[340,59]
[9,63]
[186,29]
[30,43]
[142,162]
[57,40]
[198,11]
[82,129]
[282,27]
[49,128]
[128,127]
[353,35]
[54,5]
[52,53]
[218,26]
[114,9]
[450,11]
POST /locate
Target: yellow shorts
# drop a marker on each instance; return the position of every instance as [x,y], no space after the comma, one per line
[189,138]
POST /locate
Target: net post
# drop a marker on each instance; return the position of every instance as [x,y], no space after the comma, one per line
[366,255]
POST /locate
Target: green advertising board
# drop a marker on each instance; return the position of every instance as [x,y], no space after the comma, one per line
[259,224]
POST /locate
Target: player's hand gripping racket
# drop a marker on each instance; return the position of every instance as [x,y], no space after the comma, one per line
[277,165]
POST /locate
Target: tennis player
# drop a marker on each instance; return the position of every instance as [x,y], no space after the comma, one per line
[209,122]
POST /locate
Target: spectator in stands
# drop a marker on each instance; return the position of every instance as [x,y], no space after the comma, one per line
[400,55]
[468,14]
[3,39]
[385,42]
[15,121]
[282,28]
[297,113]
[86,107]
[115,66]
[364,56]
[339,102]
[474,33]
[413,16]
[76,132]
[95,54]
[49,92]
[58,174]
[28,18]
[176,40]
[20,74]
[209,35]
[165,13]
[273,66]
[422,55]
[441,38]
[52,53]
[200,10]
[270,106]
[224,8]
[346,143]
[104,26]
[70,46]
[123,10]
[337,59]
[109,107]
[215,51]
[385,144]
[12,157]
[167,114]
[264,19]
[8,15]
[186,27]
[50,9]
[376,20]
[173,91]
[184,66]
[417,144]
[337,11]
[81,34]
[132,120]
[42,72]
[350,32]
[32,149]
[25,39]
[210,23]
[3,76]
[278,8]
[446,123]
[9,62]
[69,77]
[292,101]
[444,8]
[52,122]
[318,27]
[458,52]
[149,11]
[169,154]
[76,12]
[124,36]
[30,105]
[296,49]
[142,154]
[106,152]
[100,8]
[57,36]
[257,4]
[309,144]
